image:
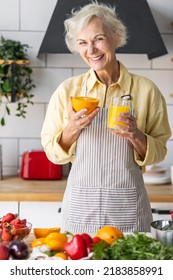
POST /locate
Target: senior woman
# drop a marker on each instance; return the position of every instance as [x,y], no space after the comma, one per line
[105,184]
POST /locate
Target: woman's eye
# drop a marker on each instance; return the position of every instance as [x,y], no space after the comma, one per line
[82,43]
[99,39]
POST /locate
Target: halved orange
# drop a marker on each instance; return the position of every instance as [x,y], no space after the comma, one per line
[81,102]
[43,232]
[109,234]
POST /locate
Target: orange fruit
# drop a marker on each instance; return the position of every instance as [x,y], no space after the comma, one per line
[56,241]
[81,102]
[109,234]
[61,255]
[38,242]
[43,232]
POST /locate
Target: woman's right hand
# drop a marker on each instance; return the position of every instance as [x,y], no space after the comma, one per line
[80,120]
[77,122]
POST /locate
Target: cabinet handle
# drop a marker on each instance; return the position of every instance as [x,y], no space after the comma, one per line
[161,212]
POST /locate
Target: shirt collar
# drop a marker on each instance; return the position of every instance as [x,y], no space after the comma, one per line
[124,80]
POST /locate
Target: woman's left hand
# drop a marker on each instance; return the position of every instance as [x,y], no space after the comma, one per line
[132,133]
[130,129]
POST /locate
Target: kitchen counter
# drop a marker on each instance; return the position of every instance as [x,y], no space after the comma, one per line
[17,189]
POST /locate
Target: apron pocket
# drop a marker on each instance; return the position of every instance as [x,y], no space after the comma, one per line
[84,206]
[96,206]
[121,207]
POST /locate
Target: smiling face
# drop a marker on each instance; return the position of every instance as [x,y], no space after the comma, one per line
[96,46]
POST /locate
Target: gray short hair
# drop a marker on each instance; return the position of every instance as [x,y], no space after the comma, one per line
[79,18]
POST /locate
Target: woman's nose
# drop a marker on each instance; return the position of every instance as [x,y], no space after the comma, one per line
[91,49]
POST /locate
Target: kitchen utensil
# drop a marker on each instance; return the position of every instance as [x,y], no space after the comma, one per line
[35,165]
[158,232]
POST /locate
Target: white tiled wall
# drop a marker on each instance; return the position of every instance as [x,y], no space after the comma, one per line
[27,20]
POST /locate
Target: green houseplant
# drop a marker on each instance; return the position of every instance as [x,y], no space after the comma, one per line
[15,78]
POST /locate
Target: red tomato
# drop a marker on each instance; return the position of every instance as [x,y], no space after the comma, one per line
[96,239]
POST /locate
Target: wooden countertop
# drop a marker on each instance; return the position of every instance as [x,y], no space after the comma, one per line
[17,189]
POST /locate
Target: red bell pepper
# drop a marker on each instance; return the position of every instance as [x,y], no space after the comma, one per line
[76,248]
[89,242]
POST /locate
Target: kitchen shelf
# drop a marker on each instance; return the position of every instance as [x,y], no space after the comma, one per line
[20,61]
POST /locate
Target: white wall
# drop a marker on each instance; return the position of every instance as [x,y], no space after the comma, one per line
[27,20]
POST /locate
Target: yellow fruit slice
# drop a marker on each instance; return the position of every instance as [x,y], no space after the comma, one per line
[43,232]
[38,242]
[109,234]
[61,255]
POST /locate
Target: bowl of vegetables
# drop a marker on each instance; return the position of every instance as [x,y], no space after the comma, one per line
[12,228]
[163,230]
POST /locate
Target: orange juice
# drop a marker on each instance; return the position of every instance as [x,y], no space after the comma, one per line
[113,113]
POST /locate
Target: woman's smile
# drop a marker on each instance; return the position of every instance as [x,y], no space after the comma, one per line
[95,59]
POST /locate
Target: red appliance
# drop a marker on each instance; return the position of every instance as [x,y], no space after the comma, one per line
[35,165]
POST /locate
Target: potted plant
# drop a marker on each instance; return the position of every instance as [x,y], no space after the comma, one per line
[15,77]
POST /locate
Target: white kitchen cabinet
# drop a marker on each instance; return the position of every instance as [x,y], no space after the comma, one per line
[41,214]
[161,211]
[8,206]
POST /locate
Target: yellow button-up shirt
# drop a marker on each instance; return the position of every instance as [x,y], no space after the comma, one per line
[148,103]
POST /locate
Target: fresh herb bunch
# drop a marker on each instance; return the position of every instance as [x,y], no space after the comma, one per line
[136,246]
[10,49]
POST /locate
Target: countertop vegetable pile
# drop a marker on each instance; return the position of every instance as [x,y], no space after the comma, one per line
[136,246]
[56,244]
[108,243]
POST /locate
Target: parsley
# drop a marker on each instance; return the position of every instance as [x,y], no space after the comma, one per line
[136,246]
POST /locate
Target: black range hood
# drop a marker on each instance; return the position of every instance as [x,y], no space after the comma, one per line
[143,33]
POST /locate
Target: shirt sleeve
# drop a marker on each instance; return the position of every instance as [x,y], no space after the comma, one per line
[157,131]
[56,119]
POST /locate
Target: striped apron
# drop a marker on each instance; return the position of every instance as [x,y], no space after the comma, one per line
[105,185]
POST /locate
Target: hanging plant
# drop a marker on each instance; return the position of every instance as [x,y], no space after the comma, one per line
[15,77]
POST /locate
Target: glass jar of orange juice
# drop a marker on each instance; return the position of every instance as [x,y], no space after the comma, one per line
[118,105]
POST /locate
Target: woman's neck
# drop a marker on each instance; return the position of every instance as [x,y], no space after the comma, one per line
[109,77]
